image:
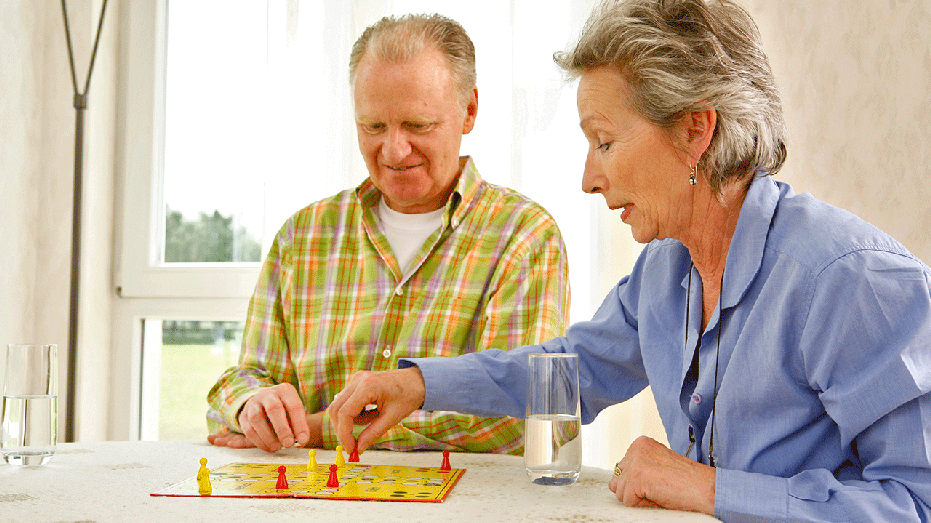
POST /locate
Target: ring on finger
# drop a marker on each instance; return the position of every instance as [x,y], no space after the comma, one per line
[617,469]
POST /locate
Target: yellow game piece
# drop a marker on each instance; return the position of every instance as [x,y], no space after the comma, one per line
[203,479]
[340,460]
[311,461]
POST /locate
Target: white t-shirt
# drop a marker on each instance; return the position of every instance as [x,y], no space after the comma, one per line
[407,233]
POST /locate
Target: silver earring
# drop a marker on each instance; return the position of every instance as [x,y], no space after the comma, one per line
[692,180]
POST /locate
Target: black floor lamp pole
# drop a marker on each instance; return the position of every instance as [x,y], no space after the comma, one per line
[80,104]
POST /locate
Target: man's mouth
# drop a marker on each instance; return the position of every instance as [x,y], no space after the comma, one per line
[402,168]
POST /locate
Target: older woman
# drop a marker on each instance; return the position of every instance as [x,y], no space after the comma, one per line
[787,342]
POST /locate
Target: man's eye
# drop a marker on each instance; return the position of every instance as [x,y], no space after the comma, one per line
[373,128]
[419,127]
[605,146]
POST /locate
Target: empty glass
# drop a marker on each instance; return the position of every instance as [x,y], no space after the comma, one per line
[29,429]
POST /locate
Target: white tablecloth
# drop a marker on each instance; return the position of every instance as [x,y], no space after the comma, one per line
[112,481]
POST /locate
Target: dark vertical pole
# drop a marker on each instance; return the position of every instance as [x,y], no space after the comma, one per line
[80,105]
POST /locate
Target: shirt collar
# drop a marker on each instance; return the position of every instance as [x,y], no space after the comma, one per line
[467,187]
[745,256]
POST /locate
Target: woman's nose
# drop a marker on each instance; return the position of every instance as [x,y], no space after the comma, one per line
[593,181]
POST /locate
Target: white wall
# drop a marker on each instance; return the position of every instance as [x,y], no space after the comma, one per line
[37,124]
[854,77]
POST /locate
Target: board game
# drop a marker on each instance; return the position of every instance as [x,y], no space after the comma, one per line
[356,482]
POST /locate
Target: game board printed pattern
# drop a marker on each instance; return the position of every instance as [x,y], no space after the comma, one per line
[356,482]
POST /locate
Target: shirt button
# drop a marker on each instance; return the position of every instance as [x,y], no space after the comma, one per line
[399,291]
[386,353]
[455,223]
[696,397]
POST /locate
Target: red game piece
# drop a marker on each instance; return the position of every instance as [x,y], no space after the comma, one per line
[354,456]
[332,481]
[445,465]
[282,480]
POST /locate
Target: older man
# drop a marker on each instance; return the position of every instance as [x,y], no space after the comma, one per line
[424,258]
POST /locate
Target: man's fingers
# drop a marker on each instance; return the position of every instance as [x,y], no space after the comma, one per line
[230,439]
[286,413]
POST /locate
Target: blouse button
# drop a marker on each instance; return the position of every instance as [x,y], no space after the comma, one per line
[386,353]
[696,397]
[399,291]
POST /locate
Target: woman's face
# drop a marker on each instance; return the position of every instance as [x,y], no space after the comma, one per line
[631,161]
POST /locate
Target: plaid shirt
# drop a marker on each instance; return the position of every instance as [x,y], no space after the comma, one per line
[331,300]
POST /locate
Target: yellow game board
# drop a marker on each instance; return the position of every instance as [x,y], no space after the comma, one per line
[359,482]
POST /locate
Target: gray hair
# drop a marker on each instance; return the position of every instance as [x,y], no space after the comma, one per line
[680,55]
[397,39]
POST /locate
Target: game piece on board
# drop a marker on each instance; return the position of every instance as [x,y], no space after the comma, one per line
[340,460]
[332,481]
[311,461]
[203,479]
[282,480]
[354,456]
[446,465]
[356,481]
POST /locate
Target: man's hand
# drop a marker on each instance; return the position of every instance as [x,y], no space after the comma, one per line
[233,440]
[395,393]
[270,420]
[236,440]
[651,475]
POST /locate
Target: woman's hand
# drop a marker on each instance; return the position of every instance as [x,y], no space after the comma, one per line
[651,475]
[395,394]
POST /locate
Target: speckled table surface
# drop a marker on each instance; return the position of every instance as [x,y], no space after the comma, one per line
[112,481]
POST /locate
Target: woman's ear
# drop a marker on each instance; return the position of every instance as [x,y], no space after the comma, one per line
[699,129]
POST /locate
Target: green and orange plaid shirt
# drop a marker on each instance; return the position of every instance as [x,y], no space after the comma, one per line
[331,300]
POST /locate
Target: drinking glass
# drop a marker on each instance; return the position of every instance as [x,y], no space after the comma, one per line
[29,429]
[552,439]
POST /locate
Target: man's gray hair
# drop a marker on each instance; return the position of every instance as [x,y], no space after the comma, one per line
[678,56]
[397,39]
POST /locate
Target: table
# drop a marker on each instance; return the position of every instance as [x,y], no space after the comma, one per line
[112,481]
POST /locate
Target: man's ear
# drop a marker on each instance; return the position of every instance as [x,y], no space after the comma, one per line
[471,112]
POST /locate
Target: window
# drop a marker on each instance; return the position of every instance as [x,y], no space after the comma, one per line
[182,361]
[237,114]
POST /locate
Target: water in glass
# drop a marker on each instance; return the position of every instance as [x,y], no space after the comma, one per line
[555,449]
[29,429]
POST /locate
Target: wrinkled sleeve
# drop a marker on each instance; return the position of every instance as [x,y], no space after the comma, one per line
[610,365]
[866,349]
[264,359]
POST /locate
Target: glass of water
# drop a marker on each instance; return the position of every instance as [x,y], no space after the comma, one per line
[552,438]
[29,429]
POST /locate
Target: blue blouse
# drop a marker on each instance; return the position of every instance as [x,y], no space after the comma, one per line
[822,349]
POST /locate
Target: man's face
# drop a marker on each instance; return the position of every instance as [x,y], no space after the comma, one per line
[410,124]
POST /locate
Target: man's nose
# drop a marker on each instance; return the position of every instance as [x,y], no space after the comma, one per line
[397,145]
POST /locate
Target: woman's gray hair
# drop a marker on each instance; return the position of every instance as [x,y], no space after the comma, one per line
[397,39]
[678,56]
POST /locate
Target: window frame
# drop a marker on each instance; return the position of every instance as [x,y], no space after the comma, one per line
[139,271]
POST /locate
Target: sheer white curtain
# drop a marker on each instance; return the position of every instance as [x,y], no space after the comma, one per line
[526,137]
[282,136]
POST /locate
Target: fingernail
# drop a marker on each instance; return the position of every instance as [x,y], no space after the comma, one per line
[302,438]
[288,442]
